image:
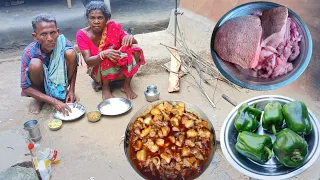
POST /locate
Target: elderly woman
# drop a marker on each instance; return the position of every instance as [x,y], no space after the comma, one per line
[109,52]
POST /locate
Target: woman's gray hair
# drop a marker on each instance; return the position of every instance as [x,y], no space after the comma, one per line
[43,17]
[98,5]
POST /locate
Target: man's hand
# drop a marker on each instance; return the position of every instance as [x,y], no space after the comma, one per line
[111,54]
[62,107]
[71,97]
[127,40]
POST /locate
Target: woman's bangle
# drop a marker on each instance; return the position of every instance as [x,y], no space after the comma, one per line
[100,54]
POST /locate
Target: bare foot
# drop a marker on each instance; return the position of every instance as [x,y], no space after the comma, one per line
[106,93]
[129,92]
[35,106]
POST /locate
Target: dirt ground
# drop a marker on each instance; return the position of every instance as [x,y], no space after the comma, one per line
[96,149]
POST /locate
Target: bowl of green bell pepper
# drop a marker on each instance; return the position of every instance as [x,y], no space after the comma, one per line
[271,137]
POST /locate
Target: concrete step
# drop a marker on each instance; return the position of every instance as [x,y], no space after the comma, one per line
[144,15]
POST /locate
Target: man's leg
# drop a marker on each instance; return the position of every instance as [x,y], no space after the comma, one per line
[71,63]
[36,75]
[127,81]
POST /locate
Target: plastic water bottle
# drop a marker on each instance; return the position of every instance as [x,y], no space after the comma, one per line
[33,151]
[47,153]
[41,162]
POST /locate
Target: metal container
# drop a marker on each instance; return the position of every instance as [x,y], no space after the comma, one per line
[152,93]
[32,126]
[271,169]
[234,75]
[189,108]
[77,111]
[118,105]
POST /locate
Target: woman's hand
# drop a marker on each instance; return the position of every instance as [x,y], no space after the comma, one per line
[127,40]
[111,54]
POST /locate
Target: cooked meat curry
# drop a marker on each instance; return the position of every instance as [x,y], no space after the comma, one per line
[170,143]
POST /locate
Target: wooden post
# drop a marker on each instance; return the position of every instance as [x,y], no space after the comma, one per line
[69,4]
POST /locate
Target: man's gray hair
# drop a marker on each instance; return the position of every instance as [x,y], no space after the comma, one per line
[43,17]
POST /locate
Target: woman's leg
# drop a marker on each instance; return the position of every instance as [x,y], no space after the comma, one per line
[127,81]
[126,88]
[136,56]
[106,93]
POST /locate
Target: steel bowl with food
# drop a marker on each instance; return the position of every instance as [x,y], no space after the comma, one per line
[272,168]
[242,77]
[77,111]
[170,140]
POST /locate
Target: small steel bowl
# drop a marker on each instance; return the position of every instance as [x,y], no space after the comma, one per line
[234,75]
[94,116]
[189,108]
[271,169]
[55,124]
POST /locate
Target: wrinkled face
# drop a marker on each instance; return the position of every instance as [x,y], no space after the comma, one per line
[96,20]
[46,34]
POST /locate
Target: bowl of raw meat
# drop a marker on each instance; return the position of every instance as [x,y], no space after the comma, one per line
[261,46]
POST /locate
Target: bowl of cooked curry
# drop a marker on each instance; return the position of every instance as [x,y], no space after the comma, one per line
[170,140]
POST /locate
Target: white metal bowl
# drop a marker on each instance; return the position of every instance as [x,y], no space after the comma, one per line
[119,106]
[81,109]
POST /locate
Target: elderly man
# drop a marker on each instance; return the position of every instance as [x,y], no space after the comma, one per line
[48,66]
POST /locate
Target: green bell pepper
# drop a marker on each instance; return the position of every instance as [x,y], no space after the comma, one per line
[272,119]
[297,117]
[254,146]
[247,118]
[290,148]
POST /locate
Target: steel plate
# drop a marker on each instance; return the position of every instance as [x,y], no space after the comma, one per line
[118,105]
[77,111]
